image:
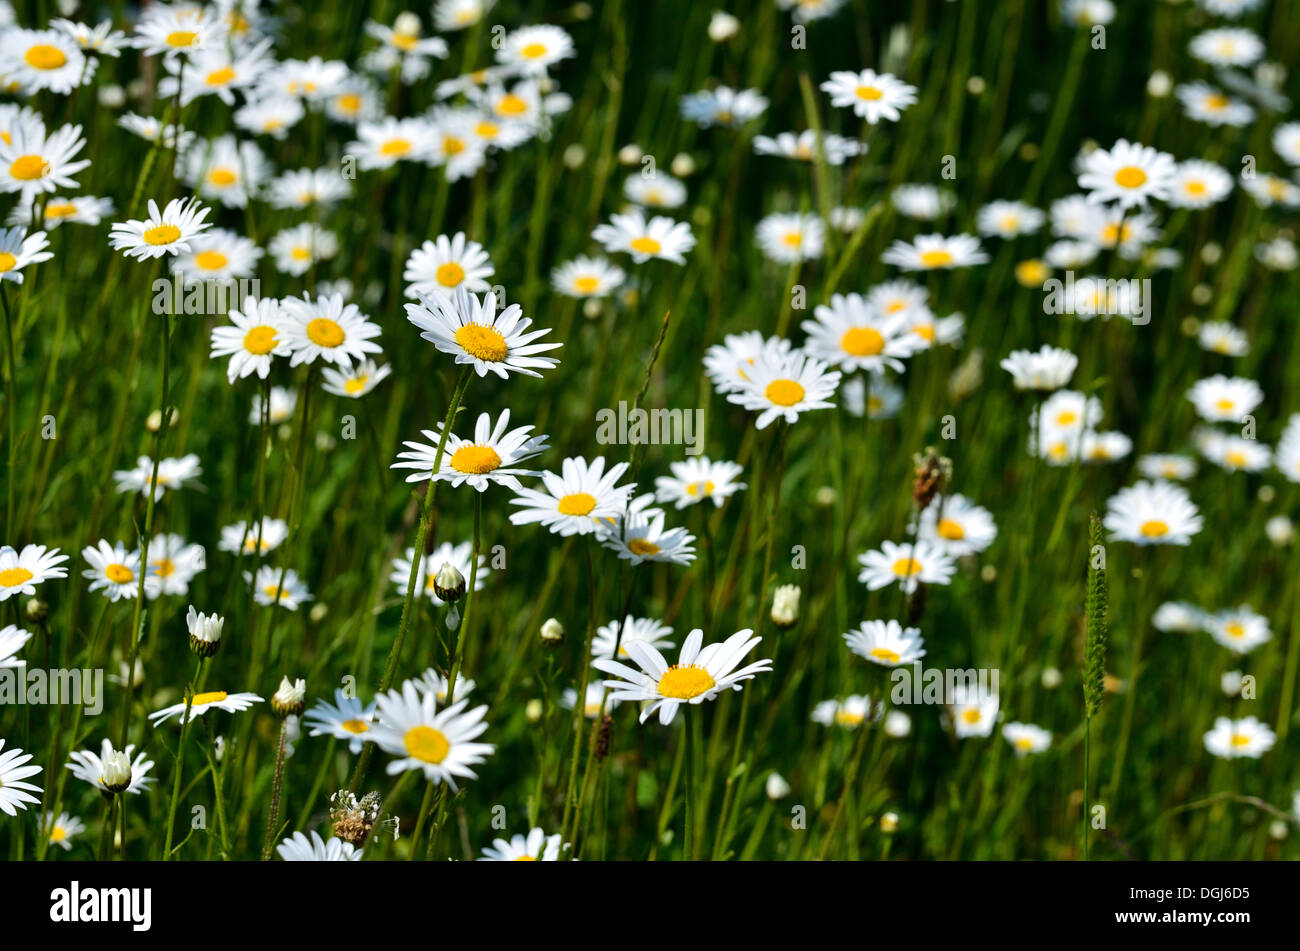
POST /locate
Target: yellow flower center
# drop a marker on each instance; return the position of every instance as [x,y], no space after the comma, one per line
[118,574]
[925,332]
[28,168]
[260,340]
[162,234]
[585,285]
[683,683]
[211,260]
[181,39]
[60,209]
[426,744]
[885,654]
[475,460]
[845,718]
[301,253]
[792,239]
[212,696]
[642,548]
[452,145]
[1130,176]
[450,274]
[950,530]
[646,245]
[512,105]
[1235,458]
[324,332]
[348,102]
[482,342]
[533,51]
[7,262]
[1233,629]
[58,834]
[1030,273]
[1066,417]
[1195,187]
[487,130]
[164,567]
[870,93]
[906,567]
[971,715]
[356,385]
[222,177]
[1240,739]
[1216,101]
[700,488]
[577,503]
[936,258]
[355,726]
[44,56]
[862,341]
[220,77]
[1154,528]
[1225,405]
[13,577]
[1024,743]
[405,41]
[784,392]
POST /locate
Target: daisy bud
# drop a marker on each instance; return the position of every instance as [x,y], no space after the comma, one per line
[989,573]
[449,583]
[776,787]
[897,724]
[1211,251]
[112,96]
[976,85]
[889,823]
[630,154]
[154,421]
[1266,494]
[533,710]
[723,26]
[574,156]
[37,610]
[116,772]
[552,633]
[128,678]
[205,632]
[580,11]
[290,699]
[318,612]
[1280,530]
[591,308]
[825,496]
[683,165]
[1159,85]
[785,606]
[1277,829]
[1051,678]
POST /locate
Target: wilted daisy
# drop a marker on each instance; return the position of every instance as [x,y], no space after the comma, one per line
[930,252]
[470,328]
[1234,453]
[659,237]
[492,456]
[33,163]
[327,329]
[850,713]
[43,59]
[114,570]
[252,339]
[531,49]
[1221,399]
[14,793]
[347,718]
[296,249]
[1152,513]
[787,238]
[835,149]
[698,675]
[458,556]
[1240,630]
[1218,336]
[89,767]
[783,385]
[1008,219]
[438,743]
[441,266]
[696,479]
[201,703]
[18,249]
[1048,368]
[1127,173]
[849,333]
[1026,738]
[63,829]
[243,538]
[537,846]
[571,502]
[172,474]
[974,712]
[587,277]
[279,407]
[909,564]
[872,96]
[169,231]
[886,643]
[354,382]
[1236,739]
[300,848]
[275,585]
[640,629]
[1229,46]
[12,640]
[729,363]
[957,525]
[22,571]
[273,115]
[723,106]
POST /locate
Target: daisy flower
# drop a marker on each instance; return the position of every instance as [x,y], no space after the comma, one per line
[347,718]
[384,143]
[1088,12]
[641,536]
[203,702]
[1270,190]
[279,407]
[441,266]
[1166,466]
[931,252]
[114,569]
[910,564]
[1049,368]
[1229,46]
[438,743]
[153,130]
[1221,399]
[273,116]
[572,502]
[1286,142]
[659,237]
[218,255]
[300,848]
[872,96]
[806,11]
[43,59]
[1027,738]
[241,537]
[1240,630]
[1104,447]
[886,643]
[451,15]
[1234,453]
[174,562]
[14,793]
[455,148]
[1127,173]
[654,191]
[274,585]
[783,385]
[1198,184]
[923,202]
[172,474]
[1287,462]
[973,713]
[356,381]
[296,249]
[356,100]
[33,163]
[537,846]
[310,79]
[723,106]
[403,48]
[492,456]
[531,49]
[63,830]
[1178,616]
[802,146]
[1233,739]
[596,704]
[700,674]
[327,329]
[1008,219]
[18,249]
[169,231]
[252,339]
[1219,336]
[729,363]
[696,479]
[469,327]
[587,277]
[458,556]
[850,713]
[215,71]
[12,639]
[81,210]
[22,571]
[306,187]
[851,334]
[787,238]
[1066,413]
[1152,513]
[89,767]
[172,30]
[957,526]
[1204,103]
[633,629]
[226,170]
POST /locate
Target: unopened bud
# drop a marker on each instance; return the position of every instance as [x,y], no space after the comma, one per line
[205,632]
[290,699]
[785,606]
[37,610]
[449,583]
[115,772]
[552,633]
[723,26]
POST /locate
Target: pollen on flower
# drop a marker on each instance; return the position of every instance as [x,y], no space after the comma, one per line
[450,274]
[426,744]
[162,234]
[44,56]
[475,460]
[118,574]
[784,392]
[325,332]
[482,342]
[577,503]
[1130,176]
[862,341]
[684,683]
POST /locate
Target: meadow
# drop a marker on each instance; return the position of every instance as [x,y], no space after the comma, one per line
[391,394]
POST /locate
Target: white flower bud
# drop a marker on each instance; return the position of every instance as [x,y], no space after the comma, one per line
[552,633]
[723,26]
[115,771]
[407,24]
[889,823]
[683,165]
[205,632]
[630,154]
[290,699]
[785,606]
[1159,85]
[776,786]
[897,724]
[449,583]
[1280,530]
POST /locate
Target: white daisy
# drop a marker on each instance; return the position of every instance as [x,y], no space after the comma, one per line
[723,106]
[1008,219]
[89,767]
[783,385]
[115,570]
[201,703]
[327,329]
[872,96]
[696,479]
[33,163]
[12,639]
[174,562]
[306,187]
[436,742]
[658,190]
[441,266]
[458,556]
[22,571]
[1027,738]
[354,382]
[537,846]
[957,525]
[908,564]
[850,713]
[571,502]
[1152,513]
[1228,46]
[299,848]
[852,335]
[252,339]
[1048,368]
[469,327]
[218,255]
[347,718]
[172,474]
[43,59]
[273,116]
[1127,173]
[491,457]
[1235,739]
[19,249]
[835,149]
[1221,399]
[1240,630]
[587,277]
[886,643]
[243,538]
[14,792]
[973,712]
[931,252]
[296,249]
[275,585]
[532,49]
[728,363]
[787,238]
[633,629]
[63,829]
[659,237]
[226,170]
[1166,466]
[169,231]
